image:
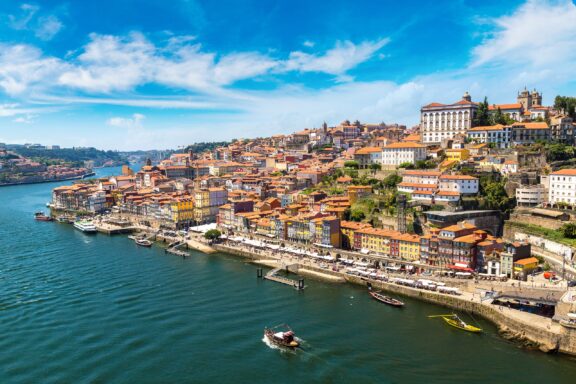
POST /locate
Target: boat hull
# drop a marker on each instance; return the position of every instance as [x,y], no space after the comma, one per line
[467,327]
[269,334]
[387,300]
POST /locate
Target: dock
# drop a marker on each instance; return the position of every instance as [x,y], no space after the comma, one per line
[272,276]
[173,249]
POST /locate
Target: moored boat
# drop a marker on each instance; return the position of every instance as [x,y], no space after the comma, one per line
[456,322]
[570,322]
[282,336]
[386,299]
[86,226]
[143,243]
[40,216]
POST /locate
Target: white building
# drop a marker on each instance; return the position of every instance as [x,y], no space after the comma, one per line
[398,153]
[498,134]
[532,195]
[463,184]
[514,111]
[562,187]
[444,121]
[421,177]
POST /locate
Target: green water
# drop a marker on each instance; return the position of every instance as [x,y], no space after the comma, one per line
[76,308]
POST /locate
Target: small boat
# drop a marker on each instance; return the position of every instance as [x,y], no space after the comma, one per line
[386,299]
[143,243]
[570,322]
[85,226]
[40,216]
[282,336]
[456,322]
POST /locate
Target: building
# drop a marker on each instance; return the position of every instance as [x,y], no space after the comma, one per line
[523,267]
[463,184]
[530,195]
[457,154]
[398,153]
[367,156]
[529,133]
[562,129]
[444,121]
[498,135]
[562,190]
[529,100]
[514,111]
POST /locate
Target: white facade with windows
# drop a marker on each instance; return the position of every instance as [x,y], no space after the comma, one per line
[444,121]
[398,153]
[562,187]
[463,184]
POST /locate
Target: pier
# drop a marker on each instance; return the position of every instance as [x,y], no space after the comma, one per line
[272,276]
[173,249]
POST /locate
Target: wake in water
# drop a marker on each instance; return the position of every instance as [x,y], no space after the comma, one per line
[285,350]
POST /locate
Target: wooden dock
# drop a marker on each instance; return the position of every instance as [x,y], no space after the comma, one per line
[297,284]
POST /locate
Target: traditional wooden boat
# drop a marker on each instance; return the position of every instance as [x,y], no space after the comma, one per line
[386,299]
[282,336]
[456,322]
[143,243]
[570,322]
[40,216]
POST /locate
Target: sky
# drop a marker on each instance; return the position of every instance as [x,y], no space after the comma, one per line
[157,74]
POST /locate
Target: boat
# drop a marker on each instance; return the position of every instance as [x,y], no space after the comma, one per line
[40,216]
[570,322]
[143,243]
[386,299]
[456,322]
[64,219]
[282,336]
[86,226]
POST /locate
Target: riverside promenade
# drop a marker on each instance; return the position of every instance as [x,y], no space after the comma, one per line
[530,330]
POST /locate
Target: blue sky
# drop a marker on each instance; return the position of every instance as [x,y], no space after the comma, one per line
[142,74]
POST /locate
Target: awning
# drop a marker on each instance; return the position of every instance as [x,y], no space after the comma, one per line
[460,268]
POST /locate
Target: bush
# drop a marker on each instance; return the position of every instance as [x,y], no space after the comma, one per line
[212,235]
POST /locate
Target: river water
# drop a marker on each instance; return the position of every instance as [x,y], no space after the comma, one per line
[78,308]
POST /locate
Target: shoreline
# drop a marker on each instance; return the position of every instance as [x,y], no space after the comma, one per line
[81,177]
[529,330]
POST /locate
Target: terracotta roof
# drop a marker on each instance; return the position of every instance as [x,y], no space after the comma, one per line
[403,145]
[457,177]
[541,125]
[368,150]
[565,172]
[528,260]
[496,127]
[505,106]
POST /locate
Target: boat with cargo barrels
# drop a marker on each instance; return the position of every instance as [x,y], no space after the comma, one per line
[41,216]
[282,336]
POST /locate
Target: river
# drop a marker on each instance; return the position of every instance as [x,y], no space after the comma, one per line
[78,308]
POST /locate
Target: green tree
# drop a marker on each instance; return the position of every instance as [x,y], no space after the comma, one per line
[391,181]
[569,230]
[375,167]
[212,235]
[566,104]
[351,164]
[406,165]
[482,117]
[357,215]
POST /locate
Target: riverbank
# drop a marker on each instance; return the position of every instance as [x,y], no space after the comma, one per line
[79,177]
[530,330]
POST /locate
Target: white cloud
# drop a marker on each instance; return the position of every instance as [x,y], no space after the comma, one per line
[48,27]
[309,44]
[539,33]
[336,61]
[22,66]
[133,122]
[27,119]
[45,27]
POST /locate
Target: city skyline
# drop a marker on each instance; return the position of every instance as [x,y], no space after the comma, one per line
[170,75]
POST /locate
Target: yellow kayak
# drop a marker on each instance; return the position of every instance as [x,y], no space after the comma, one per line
[457,323]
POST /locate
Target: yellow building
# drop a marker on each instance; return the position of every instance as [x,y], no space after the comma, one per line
[348,229]
[182,210]
[374,240]
[523,267]
[457,154]
[408,246]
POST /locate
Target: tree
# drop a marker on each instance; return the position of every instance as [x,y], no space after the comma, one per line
[212,235]
[569,230]
[566,104]
[391,181]
[357,215]
[375,167]
[482,117]
[351,164]
[406,165]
